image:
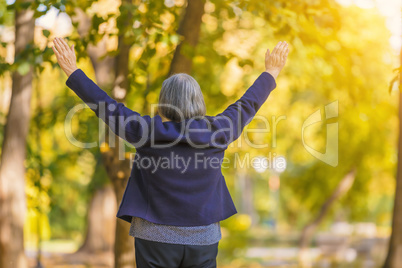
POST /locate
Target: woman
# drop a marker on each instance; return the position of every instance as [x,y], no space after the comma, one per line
[176,194]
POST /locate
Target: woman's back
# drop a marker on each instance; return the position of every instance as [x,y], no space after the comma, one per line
[179,183]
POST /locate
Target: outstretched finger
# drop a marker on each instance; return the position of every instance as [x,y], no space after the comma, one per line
[64,49]
[283,49]
[283,46]
[275,50]
[58,55]
[280,49]
[64,44]
[55,51]
[285,55]
[58,46]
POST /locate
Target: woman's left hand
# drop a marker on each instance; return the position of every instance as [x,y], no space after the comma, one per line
[65,55]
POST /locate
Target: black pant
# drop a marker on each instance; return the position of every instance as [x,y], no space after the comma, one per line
[151,254]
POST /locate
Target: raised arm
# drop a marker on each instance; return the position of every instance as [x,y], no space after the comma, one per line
[237,115]
[127,124]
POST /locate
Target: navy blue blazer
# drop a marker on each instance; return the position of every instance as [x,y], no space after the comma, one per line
[176,176]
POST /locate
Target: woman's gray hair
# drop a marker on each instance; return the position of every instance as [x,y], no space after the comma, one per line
[181,98]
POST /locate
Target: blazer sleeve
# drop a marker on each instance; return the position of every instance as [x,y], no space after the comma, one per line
[239,114]
[125,123]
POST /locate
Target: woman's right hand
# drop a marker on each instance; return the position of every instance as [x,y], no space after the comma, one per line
[275,61]
[65,55]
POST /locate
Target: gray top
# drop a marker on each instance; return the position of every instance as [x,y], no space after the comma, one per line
[192,235]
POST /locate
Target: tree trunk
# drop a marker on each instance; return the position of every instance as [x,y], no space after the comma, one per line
[394,256]
[12,169]
[116,164]
[101,222]
[308,231]
[190,31]
[99,237]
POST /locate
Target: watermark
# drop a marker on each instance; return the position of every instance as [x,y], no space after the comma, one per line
[203,161]
[199,132]
[330,156]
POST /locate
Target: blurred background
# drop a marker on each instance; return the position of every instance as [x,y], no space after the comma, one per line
[333,122]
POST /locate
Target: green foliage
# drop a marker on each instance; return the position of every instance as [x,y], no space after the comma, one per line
[6,16]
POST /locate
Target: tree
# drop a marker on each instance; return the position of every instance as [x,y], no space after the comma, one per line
[190,31]
[12,170]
